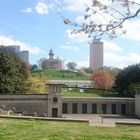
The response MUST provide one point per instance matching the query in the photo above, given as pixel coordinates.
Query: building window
(123, 109)
(113, 108)
(84, 108)
(74, 108)
(55, 100)
(65, 108)
(104, 108)
(94, 108)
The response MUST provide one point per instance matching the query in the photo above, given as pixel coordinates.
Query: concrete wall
(26, 104)
(129, 102)
(44, 104)
(137, 105)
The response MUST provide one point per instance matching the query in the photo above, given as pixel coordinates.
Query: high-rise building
(14, 48)
(24, 55)
(96, 54)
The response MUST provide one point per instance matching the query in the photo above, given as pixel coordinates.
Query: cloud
(80, 5)
(119, 60)
(98, 18)
(132, 27)
(27, 10)
(115, 56)
(41, 8)
(4, 40)
(84, 63)
(76, 5)
(80, 64)
(111, 47)
(77, 38)
(68, 47)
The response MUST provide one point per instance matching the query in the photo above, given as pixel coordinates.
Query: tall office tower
(96, 54)
(24, 55)
(14, 48)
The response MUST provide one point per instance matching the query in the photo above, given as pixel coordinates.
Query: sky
(37, 26)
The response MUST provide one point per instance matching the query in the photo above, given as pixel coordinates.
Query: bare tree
(108, 18)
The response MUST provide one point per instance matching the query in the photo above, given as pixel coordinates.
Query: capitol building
(53, 63)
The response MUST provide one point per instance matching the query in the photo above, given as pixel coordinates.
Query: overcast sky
(36, 26)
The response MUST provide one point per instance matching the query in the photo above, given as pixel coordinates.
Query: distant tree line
(121, 81)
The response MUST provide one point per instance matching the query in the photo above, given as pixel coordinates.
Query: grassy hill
(62, 74)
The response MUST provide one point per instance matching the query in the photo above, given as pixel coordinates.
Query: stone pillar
(99, 108)
(54, 101)
(118, 108)
(108, 105)
(69, 108)
(89, 108)
(137, 102)
(54, 88)
(80, 107)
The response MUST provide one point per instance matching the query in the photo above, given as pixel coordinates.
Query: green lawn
(94, 94)
(51, 130)
(76, 93)
(59, 75)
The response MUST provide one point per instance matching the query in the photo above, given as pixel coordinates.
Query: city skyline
(37, 26)
(24, 54)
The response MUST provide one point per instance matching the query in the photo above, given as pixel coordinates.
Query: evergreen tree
(127, 79)
(13, 72)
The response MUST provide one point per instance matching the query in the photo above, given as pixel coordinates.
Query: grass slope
(75, 92)
(62, 74)
(45, 130)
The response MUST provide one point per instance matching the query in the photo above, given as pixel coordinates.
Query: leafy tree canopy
(127, 79)
(71, 65)
(13, 72)
(113, 71)
(42, 63)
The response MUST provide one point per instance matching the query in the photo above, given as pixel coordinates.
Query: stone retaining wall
(47, 105)
(25, 104)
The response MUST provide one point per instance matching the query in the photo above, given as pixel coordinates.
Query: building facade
(54, 105)
(14, 48)
(52, 63)
(96, 54)
(119, 106)
(24, 55)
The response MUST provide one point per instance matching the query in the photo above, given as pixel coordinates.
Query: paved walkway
(98, 120)
(93, 120)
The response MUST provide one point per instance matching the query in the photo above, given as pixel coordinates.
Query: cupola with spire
(51, 54)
